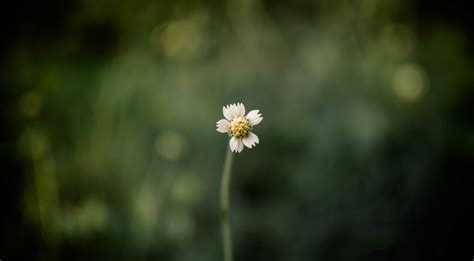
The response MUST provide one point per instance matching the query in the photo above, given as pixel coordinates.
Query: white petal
(252, 114)
(251, 140)
(223, 126)
(240, 145)
(229, 108)
(254, 138)
(248, 142)
(240, 110)
(226, 111)
(233, 110)
(255, 117)
(233, 144)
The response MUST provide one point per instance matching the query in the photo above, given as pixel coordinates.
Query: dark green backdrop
(109, 150)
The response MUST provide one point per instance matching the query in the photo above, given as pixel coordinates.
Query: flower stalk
(225, 207)
(239, 128)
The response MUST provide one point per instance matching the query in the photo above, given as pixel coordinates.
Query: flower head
(239, 126)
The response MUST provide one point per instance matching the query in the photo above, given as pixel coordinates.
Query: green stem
(224, 211)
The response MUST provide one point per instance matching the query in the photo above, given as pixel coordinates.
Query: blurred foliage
(110, 151)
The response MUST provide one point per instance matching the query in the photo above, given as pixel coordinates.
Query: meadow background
(108, 146)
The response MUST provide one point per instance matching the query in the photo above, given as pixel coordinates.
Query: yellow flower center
(239, 127)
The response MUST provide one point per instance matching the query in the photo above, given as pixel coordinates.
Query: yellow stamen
(239, 127)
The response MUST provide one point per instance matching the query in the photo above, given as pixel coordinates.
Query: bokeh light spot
(409, 82)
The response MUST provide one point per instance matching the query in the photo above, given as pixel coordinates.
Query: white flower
(239, 126)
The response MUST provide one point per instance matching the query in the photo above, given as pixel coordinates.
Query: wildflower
(239, 126)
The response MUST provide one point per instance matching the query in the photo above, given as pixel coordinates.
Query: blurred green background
(109, 149)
